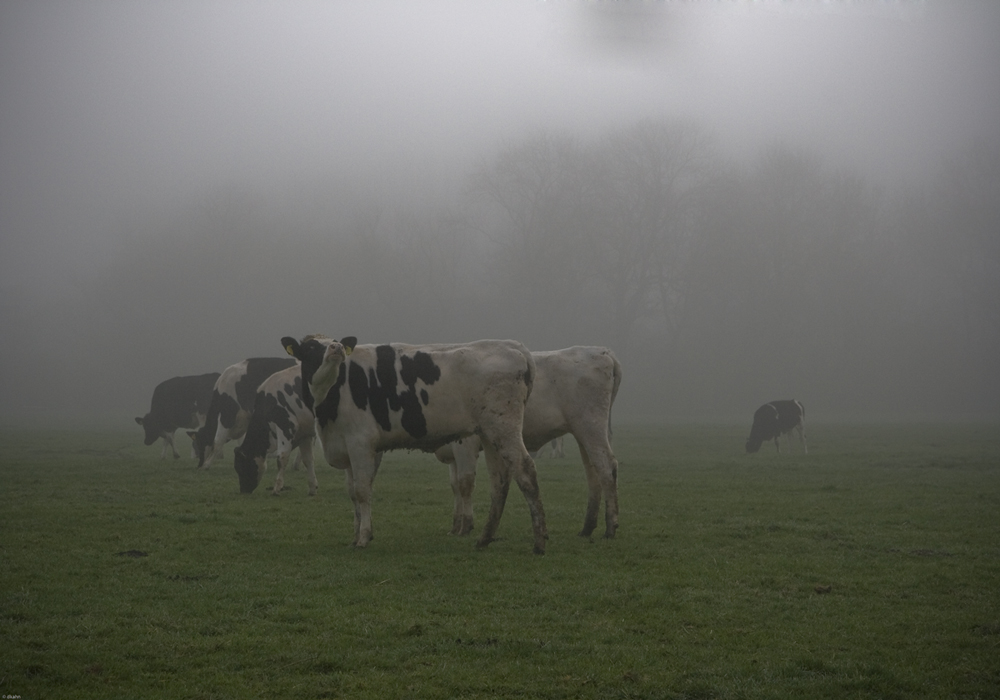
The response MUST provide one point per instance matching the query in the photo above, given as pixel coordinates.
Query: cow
(179, 402)
(573, 392)
(279, 423)
(775, 419)
(232, 401)
(372, 398)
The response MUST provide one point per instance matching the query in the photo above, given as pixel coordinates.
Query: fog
(744, 200)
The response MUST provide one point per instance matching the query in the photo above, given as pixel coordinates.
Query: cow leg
(306, 454)
(602, 481)
(163, 450)
(802, 437)
(281, 460)
(499, 487)
(503, 460)
(170, 439)
(462, 472)
(462, 485)
(527, 481)
(361, 474)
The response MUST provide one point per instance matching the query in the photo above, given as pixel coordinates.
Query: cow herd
(489, 396)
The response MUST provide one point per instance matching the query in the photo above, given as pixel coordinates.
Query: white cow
(372, 398)
(573, 393)
(280, 422)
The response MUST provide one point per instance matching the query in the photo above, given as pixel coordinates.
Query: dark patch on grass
(134, 553)
(187, 578)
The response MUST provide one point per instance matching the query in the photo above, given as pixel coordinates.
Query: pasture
(869, 568)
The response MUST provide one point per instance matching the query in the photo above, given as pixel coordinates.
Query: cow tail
(529, 374)
(616, 382)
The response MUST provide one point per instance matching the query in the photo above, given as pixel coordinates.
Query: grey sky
(114, 114)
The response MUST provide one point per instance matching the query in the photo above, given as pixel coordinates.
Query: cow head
(321, 358)
(154, 431)
(753, 444)
(248, 469)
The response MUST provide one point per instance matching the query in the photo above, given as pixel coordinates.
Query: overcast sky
(121, 120)
(114, 111)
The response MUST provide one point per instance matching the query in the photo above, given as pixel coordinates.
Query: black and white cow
(573, 393)
(372, 398)
(232, 401)
(180, 402)
(775, 419)
(280, 422)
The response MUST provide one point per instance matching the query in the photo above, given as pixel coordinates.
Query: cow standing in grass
(774, 419)
(179, 402)
(232, 401)
(372, 398)
(573, 392)
(279, 423)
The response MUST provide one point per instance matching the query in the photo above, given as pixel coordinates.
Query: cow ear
(138, 420)
(291, 346)
(349, 342)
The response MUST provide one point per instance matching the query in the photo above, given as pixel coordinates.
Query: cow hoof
(539, 549)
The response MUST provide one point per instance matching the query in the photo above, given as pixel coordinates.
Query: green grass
(868, 569)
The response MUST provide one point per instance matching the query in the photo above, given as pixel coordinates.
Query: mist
(745, 201)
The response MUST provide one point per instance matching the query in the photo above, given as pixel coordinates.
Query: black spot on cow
(380, 389)
(358, 383)
(327, 411)
(421, 366)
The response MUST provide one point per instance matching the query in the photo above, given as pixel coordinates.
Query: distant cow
(180, 402)
(279, 423)
(232, 401)
(775, 419)
(371, 398)
(573, 393)
(555, 448)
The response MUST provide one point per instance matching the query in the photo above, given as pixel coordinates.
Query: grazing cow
(232, 401)
(372, 398)
(775, 419)
(180, 402)
(573, 393)
(279, 423)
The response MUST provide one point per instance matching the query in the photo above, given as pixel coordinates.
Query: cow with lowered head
(279, 423)
(232, 401)
(179, 402)
(573, 392)
(372, 398)
(774, 419)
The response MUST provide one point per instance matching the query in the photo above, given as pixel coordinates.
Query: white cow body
(573, 393)
(385, 397)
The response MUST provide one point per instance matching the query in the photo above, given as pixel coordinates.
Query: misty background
(746, 200)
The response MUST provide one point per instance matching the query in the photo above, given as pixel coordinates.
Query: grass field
(869, 568)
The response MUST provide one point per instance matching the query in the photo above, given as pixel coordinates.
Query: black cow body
(232, 402)
(180, 402)
(774, 419)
